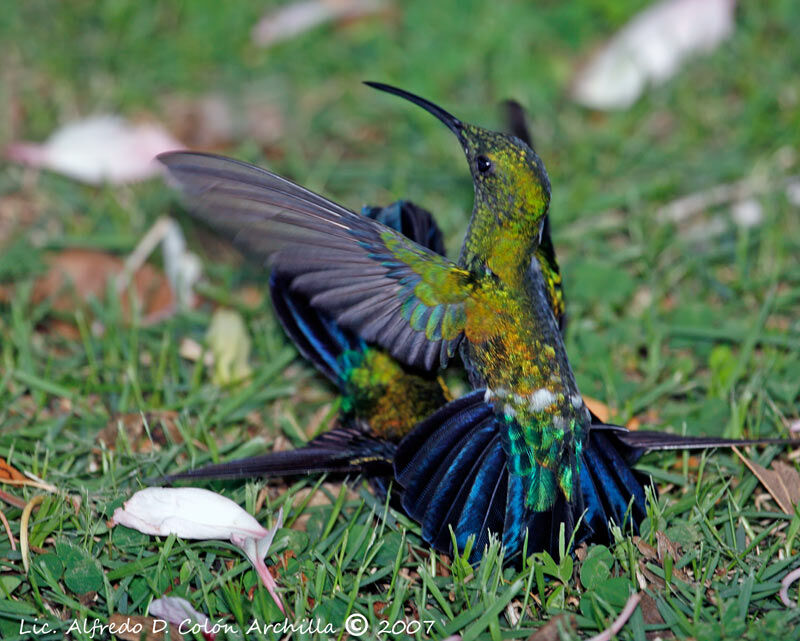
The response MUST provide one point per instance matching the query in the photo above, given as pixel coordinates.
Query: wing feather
(362, 272)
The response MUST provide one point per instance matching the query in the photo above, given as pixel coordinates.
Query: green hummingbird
(521, 455)
(381, 400)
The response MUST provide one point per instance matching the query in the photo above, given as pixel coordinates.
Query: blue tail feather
(453, 471)
(484, 510)
(453, 490)
(614, 491)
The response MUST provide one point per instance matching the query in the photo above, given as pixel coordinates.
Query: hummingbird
(381, 400)
(521, 455)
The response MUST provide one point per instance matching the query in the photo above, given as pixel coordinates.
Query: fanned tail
(452, 469)
(342, 450)
(454, 474)
(612, 490)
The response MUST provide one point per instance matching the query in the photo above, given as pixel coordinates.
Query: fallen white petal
(194, 513)
(650, 48)
(176, 610)
(747, 213)
(256, 550)
(188, 512)
(99, 149)
(293, 19)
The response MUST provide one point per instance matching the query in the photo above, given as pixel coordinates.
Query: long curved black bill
(453, 123)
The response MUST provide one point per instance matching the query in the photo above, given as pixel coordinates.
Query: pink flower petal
(99, 149)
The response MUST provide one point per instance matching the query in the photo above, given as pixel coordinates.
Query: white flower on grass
(650, 49)
(98, 149)
(177, 610)
(194, 513)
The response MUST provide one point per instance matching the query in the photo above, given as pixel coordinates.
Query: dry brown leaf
(203, 122)
(161, 424)
(18, 211)
(215, 122)
(790, 480)
(782, 482)
(647, 550)
(652, 617)
(8, 472)
(552, 630)
(666, 546)
(598, 408)
(76, 275)
(131, 627)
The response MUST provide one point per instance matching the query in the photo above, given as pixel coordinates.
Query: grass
(684, 329)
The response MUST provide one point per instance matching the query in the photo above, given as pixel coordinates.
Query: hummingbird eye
(483, 164)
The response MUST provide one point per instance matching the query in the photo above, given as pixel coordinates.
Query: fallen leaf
(666, 546)
(214, 122)
(650, 49)
(160, 424)
(177, 611)
(230, 344)
(132, 627)
(598, 408)
(650, 611)
(18, 211)
(203, 122)
(555, 629)
(99, 149)
(74, 276)
(295, 18)
(782, 482)
(9, 472)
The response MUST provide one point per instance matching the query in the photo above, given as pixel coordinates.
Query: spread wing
(370, 278)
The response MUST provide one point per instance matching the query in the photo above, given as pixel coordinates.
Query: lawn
(684, 322)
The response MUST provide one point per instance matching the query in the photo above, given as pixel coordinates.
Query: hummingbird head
(511, 184)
